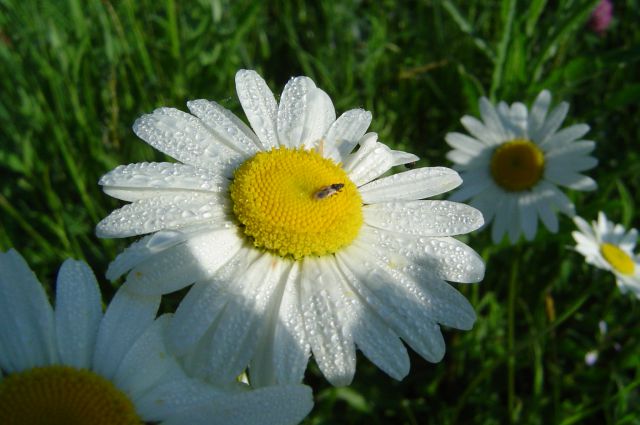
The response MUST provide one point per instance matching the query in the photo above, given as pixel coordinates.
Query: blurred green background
(75, 75)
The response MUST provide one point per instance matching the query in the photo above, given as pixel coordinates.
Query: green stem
(511, 363)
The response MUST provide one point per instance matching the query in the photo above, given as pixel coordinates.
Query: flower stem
(511, 363)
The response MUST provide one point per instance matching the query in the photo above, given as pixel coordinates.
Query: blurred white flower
(73, 365)
(514, 161)
(609, 246)
(294, 241)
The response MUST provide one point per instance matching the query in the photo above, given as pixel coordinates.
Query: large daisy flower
(609, 247)
(514, 162)
(295, 242)
(72, 365)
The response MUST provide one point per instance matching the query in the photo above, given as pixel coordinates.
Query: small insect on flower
(328, 191)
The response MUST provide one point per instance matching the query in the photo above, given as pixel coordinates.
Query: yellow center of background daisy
(619, 260)
(62, 395)
(517, 165)
(296, 203)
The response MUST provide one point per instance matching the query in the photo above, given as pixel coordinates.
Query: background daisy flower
(294, 241)
(514, 162)
(609, 247)
(73, 365)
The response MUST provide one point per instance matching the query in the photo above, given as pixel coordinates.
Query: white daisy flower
(294, 242)
(514, 162)
(73, 365)
(609, 247)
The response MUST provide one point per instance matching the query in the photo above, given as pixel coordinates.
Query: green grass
(75, 75)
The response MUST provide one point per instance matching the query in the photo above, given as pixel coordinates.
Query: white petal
(517, 123)
(144, 180)
(126, 318)
(226, 126)
(478, 130)
(553, 123)
(147, 247)
(491, 119)
(304, 114)
(27, 332)
(447, 258)
(146, 361)
(162, 213)
(409, 185)
(397, 307)
(237, 331)
(538, 114)
(78, 314)
(325, 309)
(471, 186)
(284, 352)
(372, 160)
(501, 218)
(259, 105)
(170, 399)
(465, 143)
(567, 135)
(278, 405)
(426, 218)
(571, 180)
(344, 133)
(513, 216)
(185, 138)
(198, 258)
(528, 215)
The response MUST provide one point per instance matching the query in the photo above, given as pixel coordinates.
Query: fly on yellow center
(619, 260)
(63, 395)
(296, 203)
(517, 165)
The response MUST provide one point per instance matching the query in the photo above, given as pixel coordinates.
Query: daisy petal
(538, 114)
(259, 105)
(410, 185)
(285, 350)
(344, 133)
(146, 361)
(198, 258)
(126, 318)
(553, 123)
(465, 143)
(236, 332)
(478, 130)
(226, 126)
(78, 313)
(372, 160)
(426, 218)
(27, 332)
(304, 114)
(397, 307)
(571, 180)
(278, 405)
(567, 135)
(145, 180)
(528, 216)
(491, 118)
(325, 321)
(185, 138)
(161, 213)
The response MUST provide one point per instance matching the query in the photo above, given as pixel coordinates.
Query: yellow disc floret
(296, 203)
(62, 395)
(619, 260)
(517, 165)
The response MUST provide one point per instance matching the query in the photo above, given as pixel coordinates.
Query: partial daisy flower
(609, 247)
(73, 365)
(295, 242)
(514, 161)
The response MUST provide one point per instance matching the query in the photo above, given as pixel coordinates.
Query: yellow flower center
(63, 395)
(296, 203)
(619, 260)
(517, 165)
